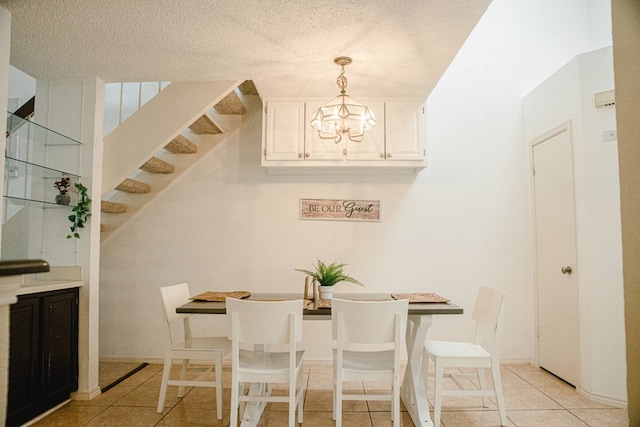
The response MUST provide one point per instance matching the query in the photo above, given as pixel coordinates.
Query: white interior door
(557, 291)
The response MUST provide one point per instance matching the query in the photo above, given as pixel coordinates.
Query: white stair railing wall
(121, 100)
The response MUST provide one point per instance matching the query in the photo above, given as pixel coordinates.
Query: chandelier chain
(342, 81)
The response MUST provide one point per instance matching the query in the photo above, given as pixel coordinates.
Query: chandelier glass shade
(343, 115)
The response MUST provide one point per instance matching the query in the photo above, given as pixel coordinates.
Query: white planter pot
(326, 292)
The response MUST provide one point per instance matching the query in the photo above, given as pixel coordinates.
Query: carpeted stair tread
(133, 186)
(204, 125)
(181, 145)
(230, 104)
(112, 207)
(155, 165)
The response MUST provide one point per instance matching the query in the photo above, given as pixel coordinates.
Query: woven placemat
(323, 303)
(421, 297)
(220, 296)
(326, 303)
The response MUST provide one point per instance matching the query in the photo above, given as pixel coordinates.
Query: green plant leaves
(82, 211)
(329, 275)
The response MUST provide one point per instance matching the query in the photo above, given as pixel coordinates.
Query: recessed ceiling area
(399, 48)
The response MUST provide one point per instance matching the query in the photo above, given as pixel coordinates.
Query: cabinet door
(284, 130)
(24, 361)
(317, 148)
(372, 146)
(59, 346)
(405, 130)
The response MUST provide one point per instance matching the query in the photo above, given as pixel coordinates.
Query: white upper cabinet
(395, 145)
(283, 134)
(406, 130)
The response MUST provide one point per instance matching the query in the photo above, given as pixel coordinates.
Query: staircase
(163, 139)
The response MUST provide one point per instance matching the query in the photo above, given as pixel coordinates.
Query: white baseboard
(616, 403)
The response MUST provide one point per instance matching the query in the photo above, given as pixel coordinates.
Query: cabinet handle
(299, 155)
(306, 155)
(382, 155)
(388, 155)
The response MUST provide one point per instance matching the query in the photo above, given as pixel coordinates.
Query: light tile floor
(533, 398)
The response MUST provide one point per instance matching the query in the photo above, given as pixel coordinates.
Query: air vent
(605, 99)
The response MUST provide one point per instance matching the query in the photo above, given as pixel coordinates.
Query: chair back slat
(264, 322)
(488, 315)
(487, 306)
(173, 297)
(368, 322)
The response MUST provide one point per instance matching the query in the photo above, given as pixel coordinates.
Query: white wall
(569, 95)
(462, 222)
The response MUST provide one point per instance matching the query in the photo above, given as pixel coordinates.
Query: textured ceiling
(399, 47)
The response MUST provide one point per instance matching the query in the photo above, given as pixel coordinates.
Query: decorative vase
(63, 199)
(326, 292)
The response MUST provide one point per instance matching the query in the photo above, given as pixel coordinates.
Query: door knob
(566, 270)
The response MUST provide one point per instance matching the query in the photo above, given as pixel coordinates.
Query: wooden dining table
(420, 316)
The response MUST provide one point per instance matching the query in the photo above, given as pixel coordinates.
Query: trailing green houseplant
(329, 275)
(81, 211)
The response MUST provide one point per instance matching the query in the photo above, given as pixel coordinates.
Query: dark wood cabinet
(43, 355)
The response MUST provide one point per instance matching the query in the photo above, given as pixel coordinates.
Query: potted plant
(327, 276)
(62, 185)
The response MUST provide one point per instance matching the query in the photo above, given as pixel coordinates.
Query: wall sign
(340, 209)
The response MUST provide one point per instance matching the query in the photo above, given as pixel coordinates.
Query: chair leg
(300, 397)
(234, 402)
(218, 374)
(483, 386)
(497, 385)
(335, 381)
(437, 402)
(338, 403)
(183, 376)
(395, 403)
(292, 403)
(242, 404)
(166, 371)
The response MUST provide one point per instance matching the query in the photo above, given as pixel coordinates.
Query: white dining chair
(483, 352)
(368, 341)
(180, 344)
(256, 326)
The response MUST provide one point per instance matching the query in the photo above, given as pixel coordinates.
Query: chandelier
(343, 115)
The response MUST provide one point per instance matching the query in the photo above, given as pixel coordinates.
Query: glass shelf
(9, 161)
(47, 204)
(36, 133)
(34, 226)
(33, 144)
(29, 181)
